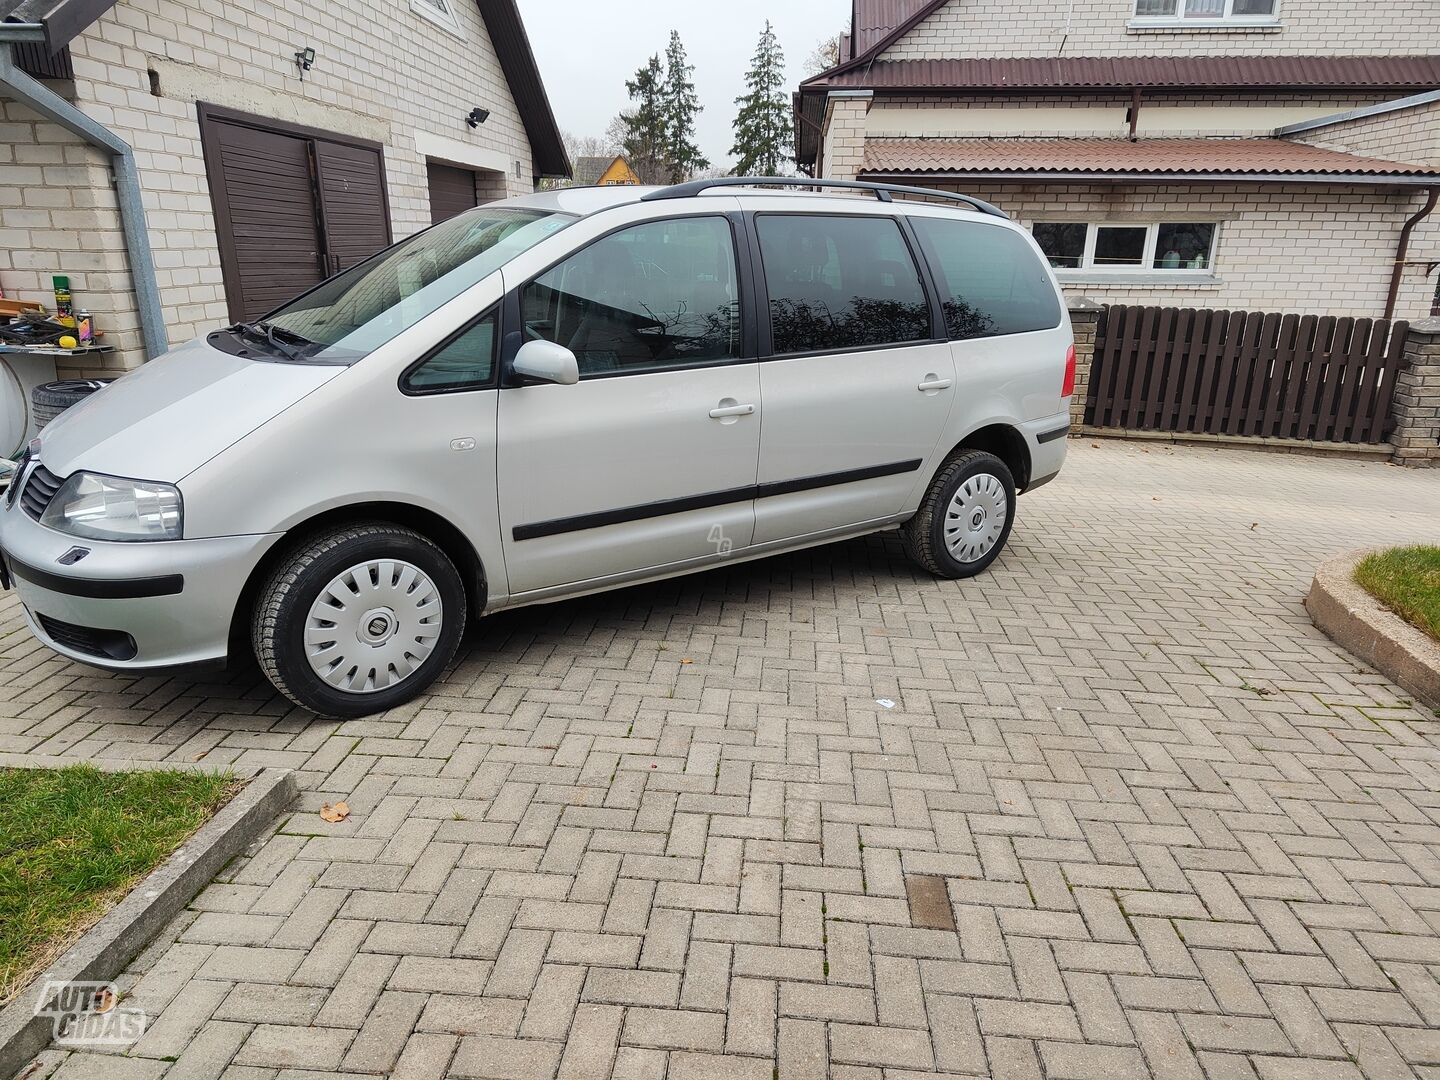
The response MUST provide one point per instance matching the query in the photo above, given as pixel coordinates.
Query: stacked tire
(49, 400)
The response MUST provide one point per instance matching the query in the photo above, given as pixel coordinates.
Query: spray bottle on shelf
(64, 311)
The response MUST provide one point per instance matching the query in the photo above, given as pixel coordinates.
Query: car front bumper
(128, 607)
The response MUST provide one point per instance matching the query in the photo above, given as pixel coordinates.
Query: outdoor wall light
(477, 117)
(304, 60)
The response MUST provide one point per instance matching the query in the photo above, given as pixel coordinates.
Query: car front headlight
(100, 507)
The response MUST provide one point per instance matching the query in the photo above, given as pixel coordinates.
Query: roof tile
(1240, 157)
(1124, 72)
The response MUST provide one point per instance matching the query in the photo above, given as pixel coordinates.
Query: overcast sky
(588, 49)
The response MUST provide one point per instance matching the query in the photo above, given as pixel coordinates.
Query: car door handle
(731, 410)
(933, 383)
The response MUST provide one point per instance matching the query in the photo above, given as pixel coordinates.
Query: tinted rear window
(839, 283)
(991, 281)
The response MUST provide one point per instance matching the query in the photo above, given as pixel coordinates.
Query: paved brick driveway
(669, 832)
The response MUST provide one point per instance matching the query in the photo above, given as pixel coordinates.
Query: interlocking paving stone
(1160, 825)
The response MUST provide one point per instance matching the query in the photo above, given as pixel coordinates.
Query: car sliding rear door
(856, 386)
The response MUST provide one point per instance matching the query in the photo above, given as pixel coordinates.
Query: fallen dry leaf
(687, 661)
(104, 1001)
(339, 812)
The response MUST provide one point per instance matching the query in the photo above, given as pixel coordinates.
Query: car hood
(170, 416)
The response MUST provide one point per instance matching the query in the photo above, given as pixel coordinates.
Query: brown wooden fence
(1313, 377)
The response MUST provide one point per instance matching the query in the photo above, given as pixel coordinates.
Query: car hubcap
(976, 518)
(373, 626)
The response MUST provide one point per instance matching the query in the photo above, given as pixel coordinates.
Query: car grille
(107, 644)
(39, 490)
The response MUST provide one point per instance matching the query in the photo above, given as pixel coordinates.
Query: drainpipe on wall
(1404, 250)
(30, 91)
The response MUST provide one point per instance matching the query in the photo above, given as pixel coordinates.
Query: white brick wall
(1409, 135)
(843, 151)
(381, 71)
(1102, 114)
(1099, 28)
(1303, 248)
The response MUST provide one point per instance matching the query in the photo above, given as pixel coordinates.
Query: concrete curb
(1349, 615)
(104, 950)
(1310, 447)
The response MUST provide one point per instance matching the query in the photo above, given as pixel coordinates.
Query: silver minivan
(542, 398)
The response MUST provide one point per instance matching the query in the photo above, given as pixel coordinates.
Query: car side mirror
(547, 362)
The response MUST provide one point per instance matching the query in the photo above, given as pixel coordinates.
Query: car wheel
(966, 516)
(359, 620)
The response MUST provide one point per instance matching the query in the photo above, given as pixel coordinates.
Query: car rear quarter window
(838, 283)
(990, 279)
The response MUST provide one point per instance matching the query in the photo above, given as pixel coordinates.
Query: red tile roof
(1124, 72)
(1268, 158)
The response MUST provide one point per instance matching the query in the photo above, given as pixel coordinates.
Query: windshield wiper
(269, 333)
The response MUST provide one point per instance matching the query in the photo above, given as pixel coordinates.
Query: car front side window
(651, 297)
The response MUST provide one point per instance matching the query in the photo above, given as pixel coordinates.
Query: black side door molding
(665, 507)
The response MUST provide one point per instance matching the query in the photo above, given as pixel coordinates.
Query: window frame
(1088, 271)
(513, 315)
(492, 312)
(1180, 21)
(447, 20)
(938, 334)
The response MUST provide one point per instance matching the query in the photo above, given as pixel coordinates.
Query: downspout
(30, 91)
(1404, 250)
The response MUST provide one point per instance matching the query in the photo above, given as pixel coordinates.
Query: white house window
(440, 12)
(1100, 248)
(1181, 13)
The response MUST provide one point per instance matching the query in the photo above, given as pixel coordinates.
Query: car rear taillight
(1068, 389)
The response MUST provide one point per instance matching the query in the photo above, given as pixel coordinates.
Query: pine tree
(681, 105)
(644, 125)
(763, 136)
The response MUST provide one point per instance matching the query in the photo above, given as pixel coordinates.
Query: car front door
(857, 388)
(650, 460)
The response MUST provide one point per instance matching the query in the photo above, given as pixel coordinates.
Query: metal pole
(126, 177)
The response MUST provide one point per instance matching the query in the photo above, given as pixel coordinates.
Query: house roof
(1270, 160)
(517, 60)
(589, 170)
(874, 20)
(1054, 74)
(1263, 72)
(64, 20)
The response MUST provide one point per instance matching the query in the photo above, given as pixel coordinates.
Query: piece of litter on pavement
(884, 703)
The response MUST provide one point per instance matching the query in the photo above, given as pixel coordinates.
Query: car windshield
(353, 314)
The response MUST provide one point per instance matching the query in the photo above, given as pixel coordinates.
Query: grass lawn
(1407, 581)
(74, 841)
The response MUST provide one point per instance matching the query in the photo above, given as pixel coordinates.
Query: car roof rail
(883, 192)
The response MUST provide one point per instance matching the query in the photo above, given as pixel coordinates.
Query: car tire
(938, 538)
(393, 599)
(49, 400)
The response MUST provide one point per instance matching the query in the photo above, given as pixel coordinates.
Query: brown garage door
(452, 191)
(292, 206)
